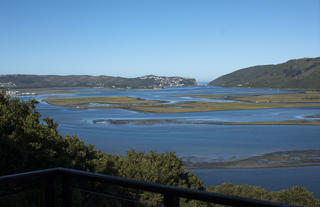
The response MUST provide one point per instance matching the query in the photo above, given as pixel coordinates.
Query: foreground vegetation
(37, 144)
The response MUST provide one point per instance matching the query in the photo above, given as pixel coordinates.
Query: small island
(243, 102)
(297, 158)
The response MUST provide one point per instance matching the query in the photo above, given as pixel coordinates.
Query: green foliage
(54, 81)
(164, 168)
(300, 73)
(37, 145)
(296, 195)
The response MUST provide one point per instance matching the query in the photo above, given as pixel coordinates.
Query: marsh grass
(207, 122)
(213, 96)
(310, 97)
(153, 106)
(60, 92)
(118, 100)
(274, 159)
(290, 122)
(307, 97)
(203, 106)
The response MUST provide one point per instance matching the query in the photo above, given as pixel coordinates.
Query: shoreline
(185, 121)
(249, 167)
(295, 158)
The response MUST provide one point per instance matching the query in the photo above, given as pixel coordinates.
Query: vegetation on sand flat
(186, 121)
(289, 122)
(39, 92)
(306, 97)
(275, 159)
(213, 95)
(120, 100)
(153, 106)
(282, 98)
(201, 106)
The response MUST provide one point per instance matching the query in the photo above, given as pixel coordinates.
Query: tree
(163, 168)
(35, 144)
(296, 195)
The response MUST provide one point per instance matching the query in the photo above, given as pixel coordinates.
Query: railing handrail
(170, 191)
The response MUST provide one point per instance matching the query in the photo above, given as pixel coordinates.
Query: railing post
(49, 191)
(171, 201)
(66, 191)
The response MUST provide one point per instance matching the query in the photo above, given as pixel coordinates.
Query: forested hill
(55, 81)
(295, 74)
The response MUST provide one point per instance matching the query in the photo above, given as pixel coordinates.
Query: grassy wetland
(244, 102)
(294, 158)
(204, 106)
(41, 92)
(311, 97)
(115, 100)
(185, 121)
(305, 97)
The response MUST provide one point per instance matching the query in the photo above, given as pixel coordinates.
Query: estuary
(223, 143)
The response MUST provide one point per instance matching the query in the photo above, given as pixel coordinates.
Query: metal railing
(171, 194)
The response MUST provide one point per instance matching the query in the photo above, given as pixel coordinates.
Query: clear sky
(192, 38)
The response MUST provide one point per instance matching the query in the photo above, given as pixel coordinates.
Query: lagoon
(194, 142)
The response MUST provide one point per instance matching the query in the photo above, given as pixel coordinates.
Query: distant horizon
(199, 39)
(198, 81)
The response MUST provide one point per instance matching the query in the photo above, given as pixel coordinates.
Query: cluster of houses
(7, 85)
(18, 93)
(163, 81)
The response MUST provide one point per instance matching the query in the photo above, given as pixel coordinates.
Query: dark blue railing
(171, 194)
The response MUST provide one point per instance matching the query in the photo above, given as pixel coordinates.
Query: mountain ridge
(59, 81)
(303, 73)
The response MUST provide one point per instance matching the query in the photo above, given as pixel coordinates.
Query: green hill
(56, 81)
(295, 74)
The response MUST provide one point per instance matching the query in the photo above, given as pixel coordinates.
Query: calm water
(270, 178)
(198, 142)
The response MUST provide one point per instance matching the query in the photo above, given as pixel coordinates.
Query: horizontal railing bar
(20, 177)
(176, 191)
(146, 186)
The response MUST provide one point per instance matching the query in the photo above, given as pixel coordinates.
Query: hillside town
(163, 81)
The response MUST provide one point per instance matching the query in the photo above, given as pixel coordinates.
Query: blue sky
(203, 39)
